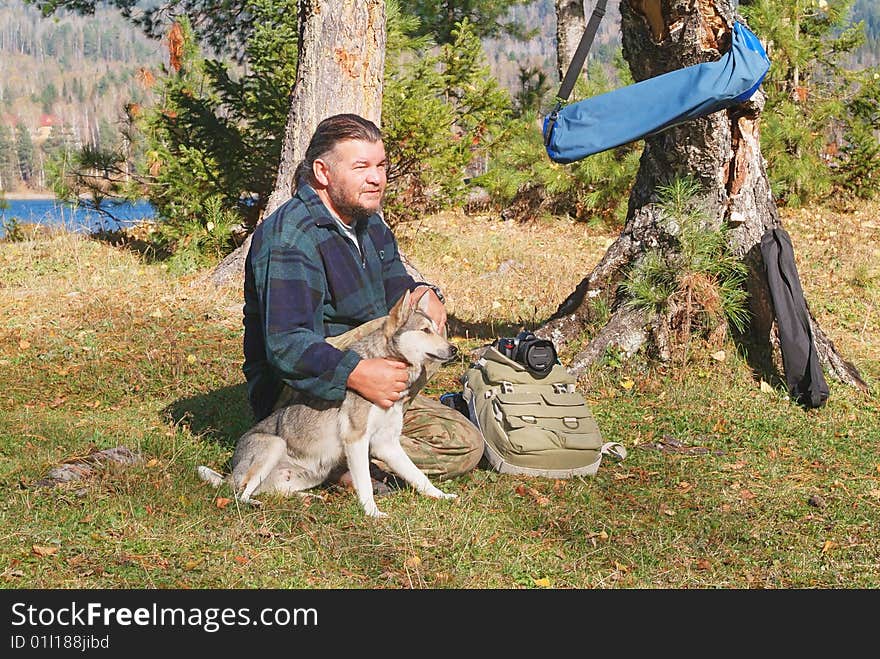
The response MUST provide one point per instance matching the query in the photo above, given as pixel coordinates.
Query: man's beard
(349, 209)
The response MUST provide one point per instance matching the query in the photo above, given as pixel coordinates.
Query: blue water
(75, 218)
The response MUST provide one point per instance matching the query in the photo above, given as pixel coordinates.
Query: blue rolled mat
(630, 113)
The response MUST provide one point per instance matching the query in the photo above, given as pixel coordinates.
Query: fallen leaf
(875, 494)
(539, 498)
(222, 502)
(151, 463)
(241, 560)
(704, 564)
(828, 546)
(719, 356)
(543, 582)
(602, 535)
(190, 359)
(24, 344)
(746, 494)
(413, 562)
(442, 578)
(620, 567)
(156, 314)
(40, 550)
(447, 259)
(496, 304)
(766, 388)
(627, 384)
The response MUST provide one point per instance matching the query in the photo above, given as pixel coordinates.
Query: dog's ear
(398, 315)
(423, 302)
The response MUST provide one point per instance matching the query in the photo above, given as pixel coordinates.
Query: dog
(297, 446)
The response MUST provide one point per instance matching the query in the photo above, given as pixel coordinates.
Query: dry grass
(500, 275)
(726, 485)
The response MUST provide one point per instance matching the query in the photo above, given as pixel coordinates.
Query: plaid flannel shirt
(305, 281)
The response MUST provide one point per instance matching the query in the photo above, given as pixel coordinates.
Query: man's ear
(398, 315)
(321, 172)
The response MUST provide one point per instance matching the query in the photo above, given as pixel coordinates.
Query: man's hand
(431, 305)
(381, 381)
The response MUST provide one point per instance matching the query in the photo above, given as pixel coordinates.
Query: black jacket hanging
(803, 373)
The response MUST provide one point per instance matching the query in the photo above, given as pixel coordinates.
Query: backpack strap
(575, 66)
(614, 449)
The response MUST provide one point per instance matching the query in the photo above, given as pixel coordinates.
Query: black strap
(576, 65)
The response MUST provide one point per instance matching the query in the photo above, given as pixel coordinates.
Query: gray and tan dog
(297, 446)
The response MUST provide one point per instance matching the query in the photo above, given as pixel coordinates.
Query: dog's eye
(426, 330)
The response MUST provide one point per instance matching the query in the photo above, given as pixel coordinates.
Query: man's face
(355, 178)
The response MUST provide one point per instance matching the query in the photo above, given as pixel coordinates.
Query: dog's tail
(210, 476)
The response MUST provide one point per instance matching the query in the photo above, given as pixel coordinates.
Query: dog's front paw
(372, 510)
(436, 493)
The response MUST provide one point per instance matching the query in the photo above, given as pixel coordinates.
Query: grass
(726, 485)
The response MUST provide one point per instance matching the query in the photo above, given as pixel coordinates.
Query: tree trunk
(340, 65)
(570, 25)
(722, 152)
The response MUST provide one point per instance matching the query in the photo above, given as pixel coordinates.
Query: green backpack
(534, 426)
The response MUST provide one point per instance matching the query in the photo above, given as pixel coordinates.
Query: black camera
(537, 355)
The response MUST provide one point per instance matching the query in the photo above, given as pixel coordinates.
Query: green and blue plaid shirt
(304, 281)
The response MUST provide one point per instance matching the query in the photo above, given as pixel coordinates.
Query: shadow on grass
(486, 330)
(220, 416)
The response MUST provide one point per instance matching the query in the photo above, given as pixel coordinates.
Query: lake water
(76, 218)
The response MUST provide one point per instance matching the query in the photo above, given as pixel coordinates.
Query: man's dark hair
(328, 134)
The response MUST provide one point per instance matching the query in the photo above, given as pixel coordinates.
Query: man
(323, 270)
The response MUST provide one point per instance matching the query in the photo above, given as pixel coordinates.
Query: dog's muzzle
(453, 353)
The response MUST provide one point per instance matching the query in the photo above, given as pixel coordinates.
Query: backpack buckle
(506, 387)
(560, 388)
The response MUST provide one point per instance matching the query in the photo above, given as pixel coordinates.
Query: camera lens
(539, 356)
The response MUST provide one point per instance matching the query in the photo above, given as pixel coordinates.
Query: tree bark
(721, 151)
(340, 66)
(570, 25)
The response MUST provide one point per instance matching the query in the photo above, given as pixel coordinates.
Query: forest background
(69, 82)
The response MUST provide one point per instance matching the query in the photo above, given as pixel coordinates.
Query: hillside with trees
(65, 82)
(69, 81)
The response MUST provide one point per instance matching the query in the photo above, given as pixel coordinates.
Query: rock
(82, 467)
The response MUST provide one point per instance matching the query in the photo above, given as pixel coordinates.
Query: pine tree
(25, 152)
(810, 95)
(8, 159)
